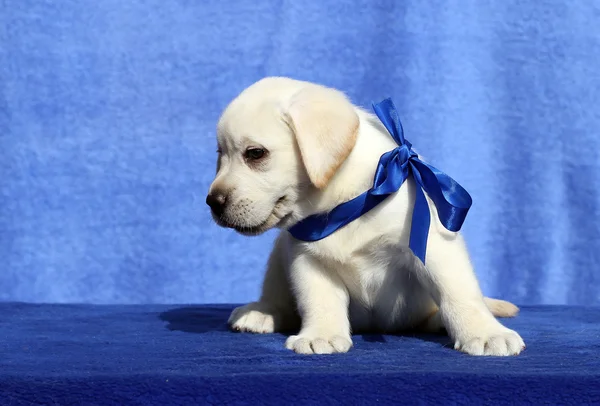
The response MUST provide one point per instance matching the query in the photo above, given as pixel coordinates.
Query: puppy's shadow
(440, 339)
(201, 319)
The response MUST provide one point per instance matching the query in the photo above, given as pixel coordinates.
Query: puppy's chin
(251, 230)
(279, 216)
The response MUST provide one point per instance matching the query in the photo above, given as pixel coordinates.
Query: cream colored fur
(323, 151)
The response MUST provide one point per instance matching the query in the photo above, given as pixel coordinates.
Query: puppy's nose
(217, 202)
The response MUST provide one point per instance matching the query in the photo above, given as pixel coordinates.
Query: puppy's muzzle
(217, 202)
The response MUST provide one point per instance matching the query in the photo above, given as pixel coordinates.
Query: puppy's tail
(501, 308)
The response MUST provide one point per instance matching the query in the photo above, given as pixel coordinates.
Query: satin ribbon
(451, 200)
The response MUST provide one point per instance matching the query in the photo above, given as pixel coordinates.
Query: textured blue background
(108, 109)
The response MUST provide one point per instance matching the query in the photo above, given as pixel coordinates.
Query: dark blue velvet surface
(108, 112)
(163, 355)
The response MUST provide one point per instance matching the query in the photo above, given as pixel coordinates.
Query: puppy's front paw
(494, 340)
(255, 317)
(318, 343)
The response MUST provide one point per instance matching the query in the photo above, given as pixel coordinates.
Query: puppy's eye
(254, 153)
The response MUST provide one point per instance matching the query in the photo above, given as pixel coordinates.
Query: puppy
(288, 149)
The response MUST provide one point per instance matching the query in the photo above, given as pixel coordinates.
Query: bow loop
(451, 200)
(388, 116)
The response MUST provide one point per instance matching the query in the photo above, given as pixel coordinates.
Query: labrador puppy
(288, 149)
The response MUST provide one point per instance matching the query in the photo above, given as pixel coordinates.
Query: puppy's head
(277, 140)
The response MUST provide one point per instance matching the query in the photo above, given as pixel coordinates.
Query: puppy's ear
(326, 126)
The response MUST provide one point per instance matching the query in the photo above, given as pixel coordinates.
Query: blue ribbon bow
(451, 200)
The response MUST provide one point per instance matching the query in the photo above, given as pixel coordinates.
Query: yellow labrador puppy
(290, 149)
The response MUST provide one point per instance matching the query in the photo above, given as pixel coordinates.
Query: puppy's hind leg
(275, 310)
(499, 308)
(449, 277)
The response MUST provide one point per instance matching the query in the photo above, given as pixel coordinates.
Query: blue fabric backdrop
(108, 109)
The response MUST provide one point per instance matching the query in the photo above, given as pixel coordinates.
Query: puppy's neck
(355, 175)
